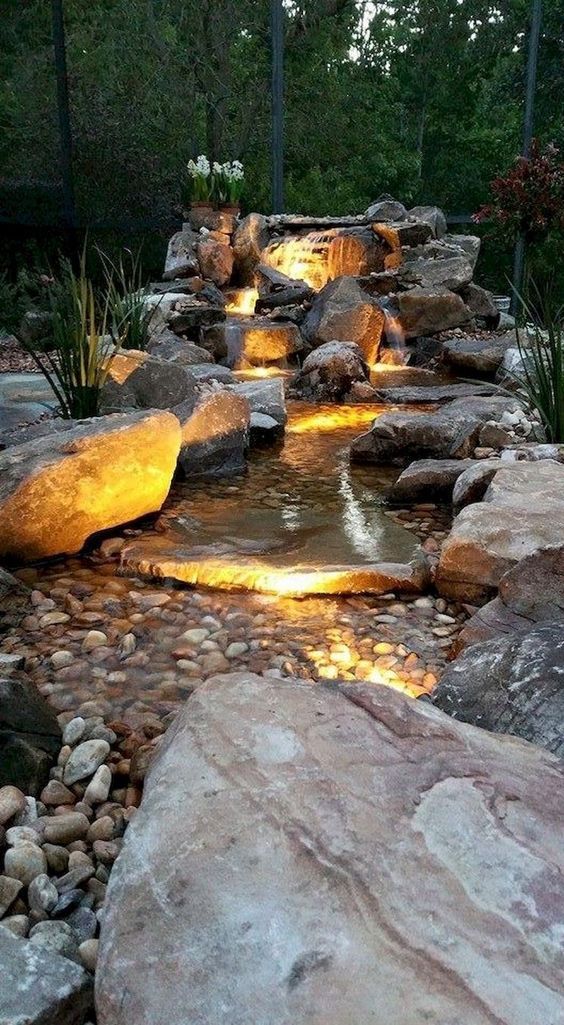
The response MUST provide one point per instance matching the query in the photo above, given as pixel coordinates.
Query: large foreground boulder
(39, 987)
(56, 491)
(428, 480)
(512, 684)
(523, 510)
(342, 855)
(30, 736)
(343, 312)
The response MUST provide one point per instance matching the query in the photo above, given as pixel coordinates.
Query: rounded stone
(12, 802)
(88, 952)
(42, 894)
(25, 862)
(59, 659)
(85, 759)
(73, 731)
(65, 829)
(94, 639)
(98, 788)
(57, 937)
(18, 925)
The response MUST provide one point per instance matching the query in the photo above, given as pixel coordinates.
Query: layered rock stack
(370, 279)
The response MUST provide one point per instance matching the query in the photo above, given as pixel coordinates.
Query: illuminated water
(301, 509)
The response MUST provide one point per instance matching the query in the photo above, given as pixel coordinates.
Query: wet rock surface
(272, 786)
(343, 312)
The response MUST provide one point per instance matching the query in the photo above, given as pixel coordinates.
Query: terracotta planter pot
(201, 204)
(230, 208)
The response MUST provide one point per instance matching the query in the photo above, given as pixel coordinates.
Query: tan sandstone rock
(56, 491)
(336, 855)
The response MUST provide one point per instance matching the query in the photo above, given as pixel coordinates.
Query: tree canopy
(419, 98)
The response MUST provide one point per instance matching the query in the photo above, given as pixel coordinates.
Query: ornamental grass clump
(79, 360)
(128, 315)
(542, 374)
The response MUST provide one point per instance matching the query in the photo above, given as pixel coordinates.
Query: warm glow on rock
(241, 300)
(334, 419)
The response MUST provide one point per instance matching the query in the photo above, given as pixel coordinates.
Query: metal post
(528, 128)
(64, 116)
(277, 56)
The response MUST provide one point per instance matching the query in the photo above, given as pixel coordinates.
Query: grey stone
(428, 480)
(264, 396)
(264, 430)
(451, 273)
(216, 260)
(56, 937)
(215, 434)
(9, 890)
(477, 355)
(481, 303)
(25, 862)
(469, 244)
(512, 684)
(432, 216)
(14, 602)
(84, 760)
(36, 326)
(139, 381)
(426, 311)
(169, 346)
(206, 372)
(39, 987)
(30, 737)
(42, 894)
(330, 370)
(344, 855)
(452, 432)
(18, 925)
(181, 257)
(412, 394)
(387, 209)
(342, 312)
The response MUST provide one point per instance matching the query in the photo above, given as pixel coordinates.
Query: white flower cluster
(199, 168)
(231, 171)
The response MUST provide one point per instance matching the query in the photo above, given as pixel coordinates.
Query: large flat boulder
(478, 355)
(215, 434)
(450, 272)
(450, 433)
(30, 736)
(169, 346)
(41, 988)
(432, 216)
(426, 311)
(137, 380)
(336, 854)
(511, 684)
(57, 491)
(243, 342)
(342, 312)
(523, 510)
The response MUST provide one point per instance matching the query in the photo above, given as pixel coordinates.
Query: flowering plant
(530, 198)
(199, 172)
(228, 180)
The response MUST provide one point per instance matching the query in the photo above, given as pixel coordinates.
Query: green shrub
(128, 316)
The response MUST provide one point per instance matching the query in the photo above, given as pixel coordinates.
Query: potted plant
(200, 181)
(229, 179)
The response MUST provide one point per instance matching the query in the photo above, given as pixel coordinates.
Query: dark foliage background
(419, 98)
